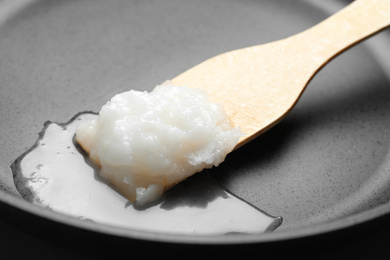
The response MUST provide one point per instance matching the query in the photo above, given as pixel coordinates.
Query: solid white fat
(55, 175)
(146, 142)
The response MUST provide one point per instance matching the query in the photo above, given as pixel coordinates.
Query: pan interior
(326, 161)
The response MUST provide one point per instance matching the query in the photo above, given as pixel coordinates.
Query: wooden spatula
(259, 85)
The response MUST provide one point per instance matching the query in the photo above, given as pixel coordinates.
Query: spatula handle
(356, 22)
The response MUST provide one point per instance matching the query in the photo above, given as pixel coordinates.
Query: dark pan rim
(352, 222)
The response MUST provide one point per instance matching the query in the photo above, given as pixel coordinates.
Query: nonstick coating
(325, 168)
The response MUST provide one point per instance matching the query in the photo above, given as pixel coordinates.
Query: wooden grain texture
(259, 85)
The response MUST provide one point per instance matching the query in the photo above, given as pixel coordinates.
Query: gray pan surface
(326, 167)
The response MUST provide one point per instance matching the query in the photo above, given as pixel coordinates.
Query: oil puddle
(55, 173)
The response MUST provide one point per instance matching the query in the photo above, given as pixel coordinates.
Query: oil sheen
(56, 174)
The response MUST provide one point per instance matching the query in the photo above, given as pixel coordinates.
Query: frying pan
(325, 169)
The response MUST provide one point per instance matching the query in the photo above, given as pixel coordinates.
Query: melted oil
(55, 173)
